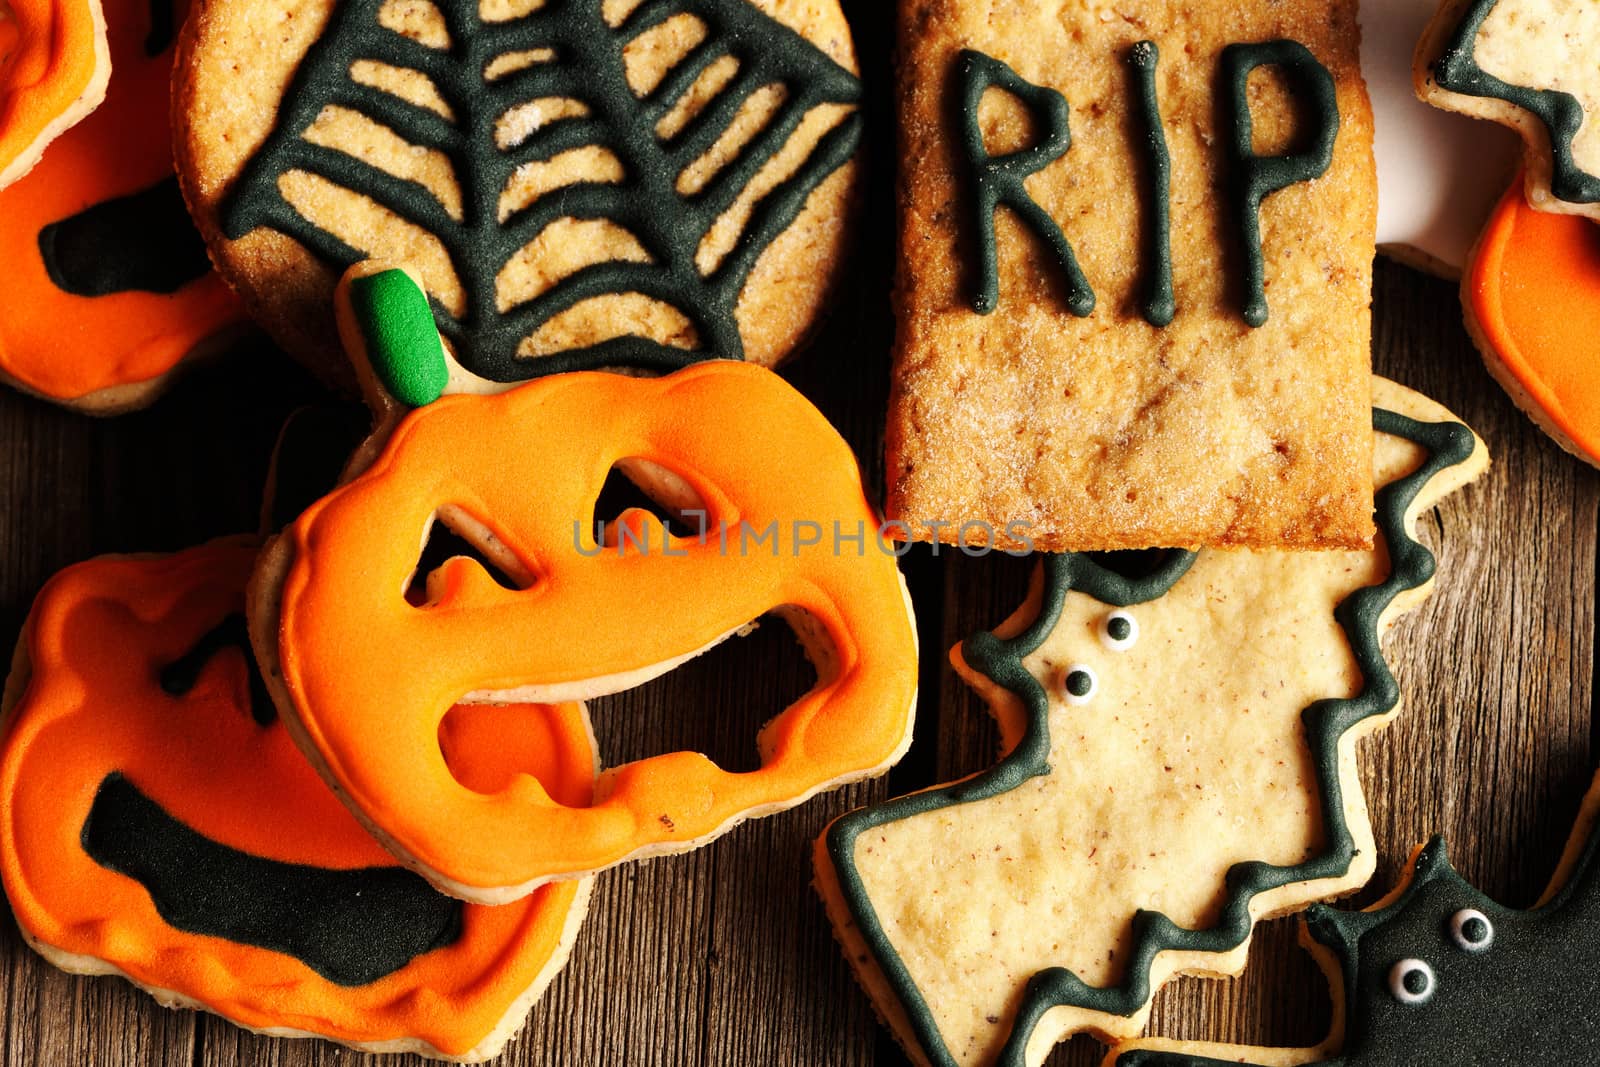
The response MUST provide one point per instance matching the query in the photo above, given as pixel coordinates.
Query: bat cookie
(1531, 297)
(1179, 763)
(584, 184)
(781, 525)
(1438, 173)
(1439, 973)
(157, 822)
(108, 288)
(54, 64)
(1529, 65)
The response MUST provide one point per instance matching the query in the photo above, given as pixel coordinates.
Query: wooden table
(723, 956)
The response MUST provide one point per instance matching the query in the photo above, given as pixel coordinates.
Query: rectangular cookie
(1037, 426)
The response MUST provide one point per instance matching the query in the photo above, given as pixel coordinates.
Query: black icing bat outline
(1457, 70)
(1326, 721)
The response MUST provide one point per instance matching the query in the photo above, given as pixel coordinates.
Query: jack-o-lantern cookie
(107, 284)
(594, 183)
(157, 822)
(1531, 297)
(781, 525)
(1180, 762)
(54, 63)
(1529, 65)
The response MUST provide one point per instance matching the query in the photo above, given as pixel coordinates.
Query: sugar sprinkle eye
(1472, 929)
(1118, 631)
(1080, 684)
(1411, 981)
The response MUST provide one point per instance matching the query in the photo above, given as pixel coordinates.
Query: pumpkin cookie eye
(1118, 631)
(1080, 684)
(1472, 929)
(1411, 981)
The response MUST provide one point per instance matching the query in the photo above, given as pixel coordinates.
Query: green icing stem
(1158, 305)
(1326, 721)
(1258, 176)
(997, 180)
(1457, 70)
(403, 344)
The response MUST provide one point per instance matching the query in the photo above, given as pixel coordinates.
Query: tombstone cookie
(1180, 762)
(595, 183)
(1135, 276)
(158, 823)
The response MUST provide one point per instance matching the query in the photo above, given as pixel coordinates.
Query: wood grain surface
(723, 956)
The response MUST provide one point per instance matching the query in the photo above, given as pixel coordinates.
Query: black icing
(159, 39)
(352, 927)
(180, 676)
(141, 242)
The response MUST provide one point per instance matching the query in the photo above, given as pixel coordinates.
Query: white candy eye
(1080, 684)
(1411, 981)
(1118, 631)
(1472, 929)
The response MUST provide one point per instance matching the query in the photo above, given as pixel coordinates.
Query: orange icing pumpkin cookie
(363, 676)
(157, 822)
(53, 69)
(1531, 294)
(108, 287)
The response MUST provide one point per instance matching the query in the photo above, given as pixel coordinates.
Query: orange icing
(66, 346)
(370, 675)
(97, 638)
(50, 58)
(1533, 290)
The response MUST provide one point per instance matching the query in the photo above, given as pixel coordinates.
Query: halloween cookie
(1179, 762)
(1438, 174)
(600, 183)
(1529, 65)
(158, 823)
(780, 525)
(54, 63)
(108, 288)
(1439, 973)
(1164, 337)
(1531, 296)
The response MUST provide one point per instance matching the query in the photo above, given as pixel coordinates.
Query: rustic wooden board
(723, 956)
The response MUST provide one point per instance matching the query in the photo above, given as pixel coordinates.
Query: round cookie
(54, 63)
(157, 822)
(108, 288)
(602, 183)
(1531, 298)
(779, 524)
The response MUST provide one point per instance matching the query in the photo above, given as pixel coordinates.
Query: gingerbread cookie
(780, 525)
(1180, 762)
(1438, 174)
(1531, 296)
(54, 63)
(160, 824)
(1439, 973)
(108, 288)
(600, 183)
(1164, 338)
(1529, 65)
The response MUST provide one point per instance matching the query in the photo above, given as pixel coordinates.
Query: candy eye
(1472, 929)
(1411, 981)
(1080, 683)
(1118, 631)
